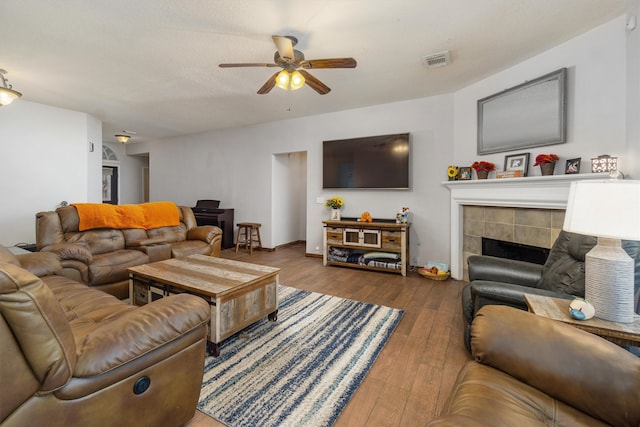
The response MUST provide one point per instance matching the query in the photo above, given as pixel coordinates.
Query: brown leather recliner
(100, 257)
(533, 371)
(75, 356)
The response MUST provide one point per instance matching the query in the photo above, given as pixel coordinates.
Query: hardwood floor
(415, 372)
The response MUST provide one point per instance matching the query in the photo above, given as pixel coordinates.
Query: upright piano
(207, 212)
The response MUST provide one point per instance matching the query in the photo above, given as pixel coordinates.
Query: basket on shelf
(433, 276)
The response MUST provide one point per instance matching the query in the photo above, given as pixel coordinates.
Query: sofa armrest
(498, 293)
(70, 251)
(41, 263)
(139, 332)
(482, 267)
(206, 233)
(568, 364)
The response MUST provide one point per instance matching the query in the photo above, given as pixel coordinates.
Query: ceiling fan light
(7, 94)
(122, 139)
(297, 80)
(282, 81)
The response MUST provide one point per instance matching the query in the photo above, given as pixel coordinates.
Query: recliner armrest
(70, 251)
(569, 364)
(139, 332)
(482, 267)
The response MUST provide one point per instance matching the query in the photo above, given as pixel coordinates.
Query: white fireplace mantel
(541, 192)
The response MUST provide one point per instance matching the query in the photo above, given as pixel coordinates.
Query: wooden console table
(625, 334)
(359, 238)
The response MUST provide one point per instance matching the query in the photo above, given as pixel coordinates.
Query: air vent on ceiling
(435, 60)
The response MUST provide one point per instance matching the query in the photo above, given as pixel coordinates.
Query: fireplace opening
(510, 250)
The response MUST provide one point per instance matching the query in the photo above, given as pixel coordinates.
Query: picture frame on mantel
(573, 166)
(517, 163)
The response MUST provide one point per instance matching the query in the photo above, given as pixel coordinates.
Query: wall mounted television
(531, 114)
(374, 162)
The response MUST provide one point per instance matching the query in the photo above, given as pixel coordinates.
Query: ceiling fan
(294, 72)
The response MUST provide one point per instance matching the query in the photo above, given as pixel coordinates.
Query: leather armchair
(72, 355)
(528, 370)
(504, 282)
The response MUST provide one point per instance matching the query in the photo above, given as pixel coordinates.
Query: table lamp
(609, 210)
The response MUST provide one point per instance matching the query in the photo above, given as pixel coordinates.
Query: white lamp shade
(604, 208)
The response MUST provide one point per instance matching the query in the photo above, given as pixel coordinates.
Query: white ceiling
(151, 66)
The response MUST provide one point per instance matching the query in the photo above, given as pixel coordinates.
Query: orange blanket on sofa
(144, 215)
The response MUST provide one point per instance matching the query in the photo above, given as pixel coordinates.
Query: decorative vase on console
(547, 163)
(335, 203)
(483, 168)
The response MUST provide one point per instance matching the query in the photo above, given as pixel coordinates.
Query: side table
(624, 334)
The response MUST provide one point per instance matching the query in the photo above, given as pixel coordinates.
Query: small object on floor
(244, 335)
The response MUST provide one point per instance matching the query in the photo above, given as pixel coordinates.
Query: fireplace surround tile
(533, 217)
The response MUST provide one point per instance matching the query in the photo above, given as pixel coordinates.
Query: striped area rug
(300, 370)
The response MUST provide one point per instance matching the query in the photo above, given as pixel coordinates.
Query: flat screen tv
(374, 162)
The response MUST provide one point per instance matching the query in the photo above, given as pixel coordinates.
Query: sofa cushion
(190, 247)
(169, 234)
(99, 241)
(112, 267)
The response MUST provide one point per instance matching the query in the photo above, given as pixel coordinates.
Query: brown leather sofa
(532, 371)
(75, 356)
(100, 257)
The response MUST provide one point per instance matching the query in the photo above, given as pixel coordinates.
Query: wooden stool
(251, 235)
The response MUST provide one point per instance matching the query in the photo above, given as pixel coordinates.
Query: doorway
(289, 198)
(110, 184)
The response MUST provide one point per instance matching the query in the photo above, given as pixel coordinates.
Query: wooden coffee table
(239, 293)
(625, 334)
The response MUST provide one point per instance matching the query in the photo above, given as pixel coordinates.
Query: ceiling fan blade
(314, 83)
(285, 47)
(329, 63)
(247, 64)
(266, 88)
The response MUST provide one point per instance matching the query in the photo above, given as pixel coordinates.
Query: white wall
(236, 167)
(44, 159)
(597, 116)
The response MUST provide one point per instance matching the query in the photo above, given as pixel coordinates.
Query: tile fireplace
(527, 210)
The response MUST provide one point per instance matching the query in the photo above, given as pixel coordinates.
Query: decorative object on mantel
(518, 164)
(464, 173)
(335, 203)
(573, 166)
(547, 163)
(604, 163)
(483, 168)
(607, 209)
(366, 217)
(452, 173)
